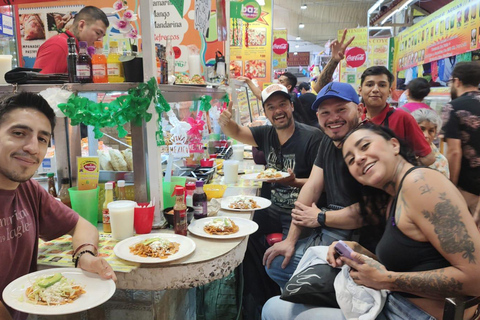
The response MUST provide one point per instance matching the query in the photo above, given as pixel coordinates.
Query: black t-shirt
(297, 153)
(307, 100)
(462, 121)
(341, 188)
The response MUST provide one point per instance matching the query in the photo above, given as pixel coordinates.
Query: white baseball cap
(274, 89)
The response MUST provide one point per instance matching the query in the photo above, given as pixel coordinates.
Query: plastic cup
(85, 203)
(168, 200)
(121, 218)
(230, 171)
(238, 152)
(143, 218)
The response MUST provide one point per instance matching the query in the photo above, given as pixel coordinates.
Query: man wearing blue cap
(338, 113)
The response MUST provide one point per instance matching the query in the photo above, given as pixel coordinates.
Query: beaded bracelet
(81, 254)
(80, 247)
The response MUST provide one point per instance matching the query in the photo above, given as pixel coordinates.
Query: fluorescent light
(388, 17)
(375, 6)
(303, 7)
(301, 25)
(295, 53)
(298, 38)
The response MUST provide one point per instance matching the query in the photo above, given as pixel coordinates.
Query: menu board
(250, 46)
(449, 31)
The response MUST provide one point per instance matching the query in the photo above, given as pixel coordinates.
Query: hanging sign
(248, 11)
(355, 57)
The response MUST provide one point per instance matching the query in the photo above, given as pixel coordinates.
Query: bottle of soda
(199, 201)
(179, 212)
(99, 64)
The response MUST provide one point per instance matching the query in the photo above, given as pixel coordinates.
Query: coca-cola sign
(280, 46)
(355, 57)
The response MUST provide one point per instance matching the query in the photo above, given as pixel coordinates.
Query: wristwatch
(321, 217)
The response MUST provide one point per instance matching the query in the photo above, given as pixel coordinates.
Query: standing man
(26, 126)
(338, 113)
(90, 25)
(307, 98)
(375, 88)
(290, 147)
(462, 133)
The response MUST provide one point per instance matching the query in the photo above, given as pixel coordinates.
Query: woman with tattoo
(430, 249)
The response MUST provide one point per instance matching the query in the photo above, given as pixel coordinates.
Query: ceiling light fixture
(303, 7)
(380, 28)
(375, 6)
(301, 25)
(298, 38)
(295, 53)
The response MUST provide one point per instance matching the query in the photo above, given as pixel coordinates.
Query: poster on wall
(449, 31)
(355, 62)
(280, 49)
(250, 44)
(193, 34)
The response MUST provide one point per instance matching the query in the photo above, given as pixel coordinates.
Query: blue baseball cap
(339, 90)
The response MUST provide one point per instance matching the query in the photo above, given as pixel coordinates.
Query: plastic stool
(273, 238)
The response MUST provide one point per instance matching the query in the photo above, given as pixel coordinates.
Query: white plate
(262, 202)
(253, 176)
(98, 290)
(245, 227)
(122, 249)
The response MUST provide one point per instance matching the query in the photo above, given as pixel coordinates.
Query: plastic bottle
(105, 212)
(199, 202)
(72, 60)
(99, 64)
(190, 186)
(180, 212)
(84, 64)
(121, 190)
(159, 69)
(114, 184)
(51, 184)
(114, 66)
(63, 193)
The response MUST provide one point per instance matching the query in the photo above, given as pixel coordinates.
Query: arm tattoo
(433, 283)
(426, 189)
(450, 229)
(326, 75)
(418, 176)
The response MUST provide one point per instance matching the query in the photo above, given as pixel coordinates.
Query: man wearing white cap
(290, 147)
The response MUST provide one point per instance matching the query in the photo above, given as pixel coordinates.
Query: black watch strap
(321, 218)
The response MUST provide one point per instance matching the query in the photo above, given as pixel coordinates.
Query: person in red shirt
(375, 88)
(90, 25)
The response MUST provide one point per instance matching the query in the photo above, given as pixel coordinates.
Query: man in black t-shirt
(290, 147)
(338, 113)
(462, 133)
(307, 98)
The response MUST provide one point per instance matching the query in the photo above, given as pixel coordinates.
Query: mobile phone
(343, 249)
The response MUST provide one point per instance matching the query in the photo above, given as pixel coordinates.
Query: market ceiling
(323, 18)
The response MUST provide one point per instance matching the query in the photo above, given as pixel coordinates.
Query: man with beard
(462, 133)
(290, 147)
(338, 113)
(375, 88)
(28, 211)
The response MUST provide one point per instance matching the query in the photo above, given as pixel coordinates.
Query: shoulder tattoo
(450, 229)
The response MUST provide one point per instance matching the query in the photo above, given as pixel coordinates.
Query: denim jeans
(396, 308)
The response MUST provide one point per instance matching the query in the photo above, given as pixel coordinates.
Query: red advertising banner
(452, 30)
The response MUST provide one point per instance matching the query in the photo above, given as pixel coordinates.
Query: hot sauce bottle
(179, 212)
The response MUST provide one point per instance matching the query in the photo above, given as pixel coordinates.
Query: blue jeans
(396, 308)
(321, 237)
